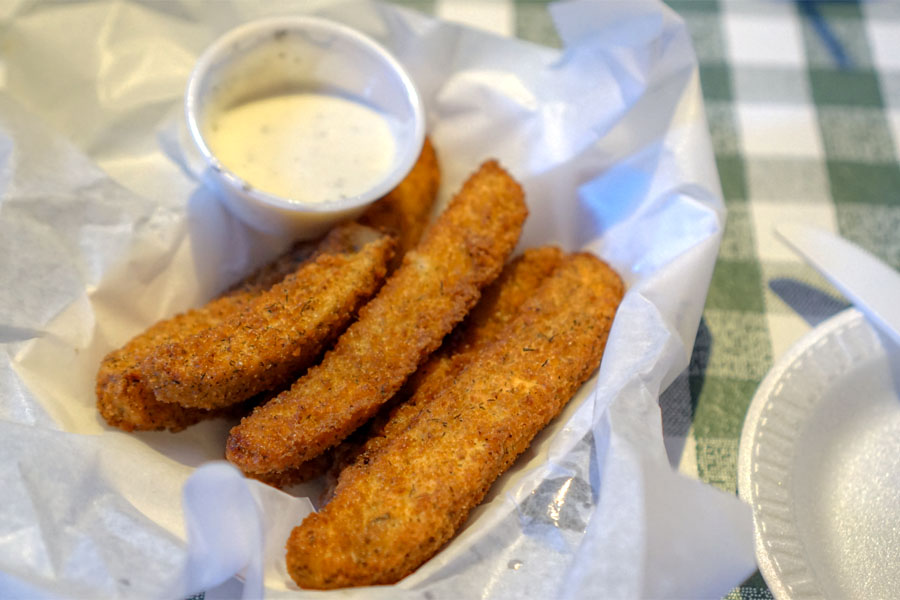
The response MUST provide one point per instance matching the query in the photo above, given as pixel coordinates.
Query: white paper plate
(820, 465)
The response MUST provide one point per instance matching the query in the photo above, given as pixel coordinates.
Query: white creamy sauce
(305, 147)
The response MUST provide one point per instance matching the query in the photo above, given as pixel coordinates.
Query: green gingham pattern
(803, 104)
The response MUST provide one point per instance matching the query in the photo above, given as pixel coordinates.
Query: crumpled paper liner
(106, 227)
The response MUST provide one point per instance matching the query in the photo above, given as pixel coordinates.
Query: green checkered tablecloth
(803, 104)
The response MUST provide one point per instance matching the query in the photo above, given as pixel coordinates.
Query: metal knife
(872, 286)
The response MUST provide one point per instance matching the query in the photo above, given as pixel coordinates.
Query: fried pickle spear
(394, 511)
(123, 399)
(433, 289)
(277, 334)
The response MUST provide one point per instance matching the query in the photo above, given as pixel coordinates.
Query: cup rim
(408, 154)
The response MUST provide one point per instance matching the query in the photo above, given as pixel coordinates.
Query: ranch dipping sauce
(306, 147)
(301, 123)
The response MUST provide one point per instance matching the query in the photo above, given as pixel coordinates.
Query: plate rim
(807, 343)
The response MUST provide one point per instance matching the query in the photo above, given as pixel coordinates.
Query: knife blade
(872, 286)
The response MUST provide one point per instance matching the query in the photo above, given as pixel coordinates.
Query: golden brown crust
(278, 333)
(501, 301)
(394, 511)
(123, 399)
(499, 304)
(125, 402)
(433, 289)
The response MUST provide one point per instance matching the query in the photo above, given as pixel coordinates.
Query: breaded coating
(393, 512)
(406, 210)
(277, 334)
(123, 399)
(125, 402)
(434, 288)
(499, 304)
(501, 301)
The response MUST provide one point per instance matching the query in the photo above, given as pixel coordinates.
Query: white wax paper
(105, 227)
